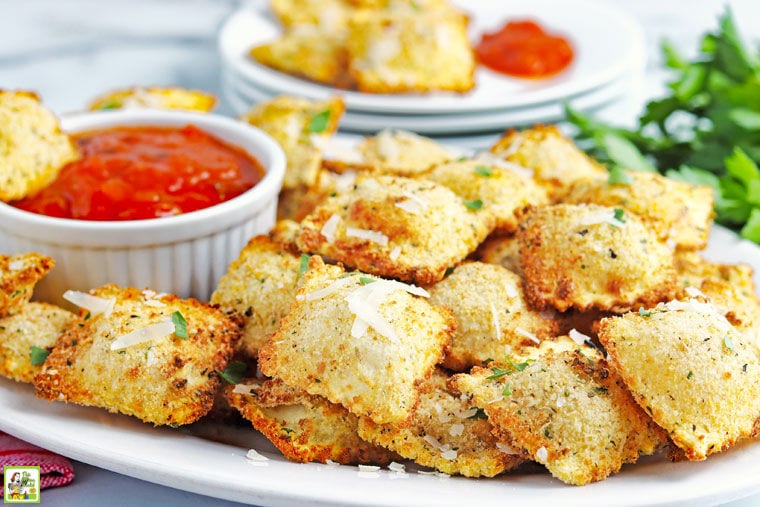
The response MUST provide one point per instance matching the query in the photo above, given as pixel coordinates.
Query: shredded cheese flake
(244, 388)
(144, 334)
(325, 291)
(510, 291)
(374, 236)
(505, 449)
(155, 303)
(399, 468)
(694, 292)
(151, 358)
(332, 463)
(527, 334)
(436, 473)
(345, 181)
(253, 455)
(395, 253)
(456, 429)
(542, 454)
(368, 468)
(601, 217)
(413, 204)
(470, 412)
(578, 337)
(330, 227)
(16, 265)
(93, 304)
(495, 321)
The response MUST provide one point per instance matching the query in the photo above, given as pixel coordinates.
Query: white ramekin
(184, 255)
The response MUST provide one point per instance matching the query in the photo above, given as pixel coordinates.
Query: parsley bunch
(705, 131)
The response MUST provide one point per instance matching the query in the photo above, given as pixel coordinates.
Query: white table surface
(71, 50)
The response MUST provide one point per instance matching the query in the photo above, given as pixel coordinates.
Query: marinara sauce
(524, 49)
(135, 173)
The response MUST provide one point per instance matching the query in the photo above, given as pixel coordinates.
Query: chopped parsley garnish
(87, 317)
(111, 105)
(479, 414)
(364, 280)
(38, 355)
(473, 205)
(619, 215)
(484, 171)
(729, 344)
(304, 265)
(520, 366)
(498, 373)
(690, 374)
(462, 158)
(319, 122)
(644, 313)
(513, 367)
(233, 373)
(449, 270)
(618, 175)
(180, 325)
(600, 390)
(507, 391)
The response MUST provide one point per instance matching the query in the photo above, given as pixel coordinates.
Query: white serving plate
(210, 459)
(241, 95)
(608, 44)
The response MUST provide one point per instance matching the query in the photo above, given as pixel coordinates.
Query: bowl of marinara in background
(184, 254)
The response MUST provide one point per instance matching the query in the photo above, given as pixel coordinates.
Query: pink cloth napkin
(55, 470)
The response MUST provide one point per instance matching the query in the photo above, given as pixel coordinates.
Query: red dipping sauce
(135, 173)
(524, 49)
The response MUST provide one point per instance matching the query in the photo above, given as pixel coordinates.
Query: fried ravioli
(501, 250)
(691, 370)
(359, 341)
(445, 433)
(302, 426)
(33, 149)
(589, 256)
(150, 356)
(410, 51)
(155, 97)
(554, 159)
(259, 285)
(34, 325)
(395, 227)
(18, 276)
(679, 213)
(500, 191)
(493, 318)
(295, 123)
(567, 411)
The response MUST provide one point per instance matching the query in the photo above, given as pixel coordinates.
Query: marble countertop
(71, 50)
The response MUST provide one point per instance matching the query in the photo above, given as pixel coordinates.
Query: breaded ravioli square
(310, 52)
(445, 433)
(401, 153)
(33, 149)
(691, 370)
(151, 356)
(328, 15)
(157, 97)
(398, 51)
(567, 411)
(501, 250)
(259, 285)
(18, 276)
(34, 325)
(298, 125)
(500, 191)
(679, 213)
(590, 256)
(493, 317)
(359, 341)
(555, 160)
(302, 426)
(395, 227)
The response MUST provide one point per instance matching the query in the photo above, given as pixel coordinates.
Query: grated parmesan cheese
(395, 253)
(527, 334)
(694, 292)
(330, 227)
(325, 291)
(456, 429)
(345, 181)
(601, 217)
(374, 236)
(368, 468)
(470, 412)
(578, 337)
(435, 473)
(93, 304)
(144, 334)
(16, 265)
(244, 388)
(510, 291)
(413, 204)
(542, 454)
(151, 358)
(399, 468)
(450, 455)
(332, 463)
(505, 449)
(495, 322)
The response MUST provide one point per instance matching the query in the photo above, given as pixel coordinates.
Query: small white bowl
(184, 254)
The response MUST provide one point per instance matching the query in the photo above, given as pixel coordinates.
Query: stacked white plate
(609, 61)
